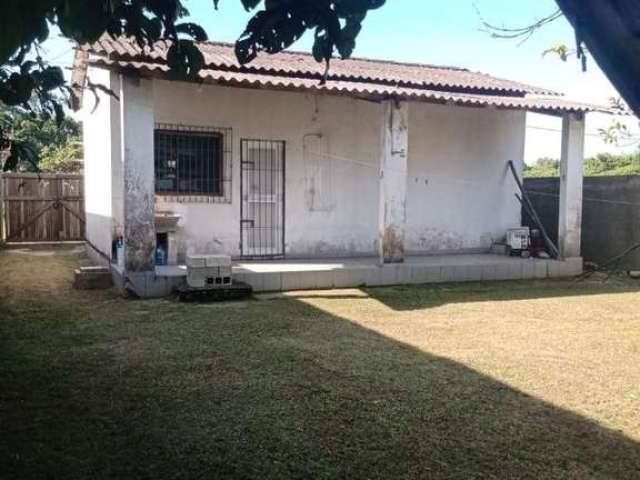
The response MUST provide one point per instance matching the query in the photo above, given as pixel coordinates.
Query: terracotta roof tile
(222, 55)
(354, 77)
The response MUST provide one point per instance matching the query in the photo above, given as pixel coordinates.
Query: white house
(386, 173)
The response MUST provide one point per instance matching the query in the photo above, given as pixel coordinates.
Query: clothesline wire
(480, 185)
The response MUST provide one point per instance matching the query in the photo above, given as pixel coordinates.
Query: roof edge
(540, 104)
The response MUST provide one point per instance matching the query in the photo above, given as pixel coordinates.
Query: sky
(451, 34)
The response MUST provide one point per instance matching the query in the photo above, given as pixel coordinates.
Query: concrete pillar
(137, 127)
(572, 156)
(393, 181)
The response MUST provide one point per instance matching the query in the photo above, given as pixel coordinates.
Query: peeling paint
(393, 244)
(137, 123)
(139, 231)
(393, 182)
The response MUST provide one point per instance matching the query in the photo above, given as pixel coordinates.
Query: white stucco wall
(101, 143)
(459, 193)
(341, 220)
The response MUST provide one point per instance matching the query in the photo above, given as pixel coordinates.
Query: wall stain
(393, 244)
(139, 225)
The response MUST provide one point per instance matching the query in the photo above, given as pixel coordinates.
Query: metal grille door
(262, 192)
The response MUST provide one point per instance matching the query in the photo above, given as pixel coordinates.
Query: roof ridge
(361, 59)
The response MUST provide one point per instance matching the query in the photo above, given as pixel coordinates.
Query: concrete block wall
(610, 215)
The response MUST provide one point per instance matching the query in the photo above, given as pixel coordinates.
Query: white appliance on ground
(518, 238)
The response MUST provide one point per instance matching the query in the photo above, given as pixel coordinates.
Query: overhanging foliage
(26, 24)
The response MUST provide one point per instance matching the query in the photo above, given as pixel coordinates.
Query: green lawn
(504, 380)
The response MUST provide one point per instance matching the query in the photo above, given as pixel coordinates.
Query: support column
(392, 213)
(571, 164)
(137, 128)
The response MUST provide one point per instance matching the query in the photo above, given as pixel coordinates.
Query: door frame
(279, 251)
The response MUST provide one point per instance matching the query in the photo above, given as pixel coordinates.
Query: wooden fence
(41, 207)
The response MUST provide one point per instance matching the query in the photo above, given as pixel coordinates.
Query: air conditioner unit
(208, 271)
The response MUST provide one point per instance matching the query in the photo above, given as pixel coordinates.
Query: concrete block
(158, 287)
(489, 272)
(403, 273)
(420, 274)
(425, 274)
(515, 270)
(373, 276)
(358, 276)
(467, 273)
(503, 271)
(135, 283)
(297, 281)
(389, 274)
(565, 268)
(149, 285)
(434, 273)
(554, 268)
(324, 279)
(447, 274)
(261, 281)
(343, 279)
(541, 269)
(272, 282)
(575, 265)
(242, 277)
(92, 278)
(460, 273)
(528, 269)
(474, 273)
(417, 275)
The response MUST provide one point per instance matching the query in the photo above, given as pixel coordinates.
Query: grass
(503, 380)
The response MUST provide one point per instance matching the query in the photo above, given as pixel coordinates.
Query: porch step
(92, 278)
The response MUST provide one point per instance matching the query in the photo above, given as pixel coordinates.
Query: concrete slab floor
(308, 274)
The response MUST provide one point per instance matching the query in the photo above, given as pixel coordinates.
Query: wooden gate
(41, 208)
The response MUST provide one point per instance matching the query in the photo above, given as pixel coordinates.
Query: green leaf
(322, 48)
(250, 4)
(17, 89)
(49, 78)
(194, 30)
(185, 59)
(346, 41)
(83, 21)
(18, 153)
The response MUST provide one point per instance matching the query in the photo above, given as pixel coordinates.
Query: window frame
(224, 190)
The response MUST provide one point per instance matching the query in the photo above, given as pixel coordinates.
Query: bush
(65, 158)
(600, 165)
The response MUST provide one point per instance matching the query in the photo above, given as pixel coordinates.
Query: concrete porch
(282, 275)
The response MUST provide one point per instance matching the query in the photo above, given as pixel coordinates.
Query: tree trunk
(610, 29)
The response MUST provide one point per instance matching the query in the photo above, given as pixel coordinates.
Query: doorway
(262, 205)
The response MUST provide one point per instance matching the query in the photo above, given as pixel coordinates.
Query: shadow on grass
(414, 297)
(279, 389)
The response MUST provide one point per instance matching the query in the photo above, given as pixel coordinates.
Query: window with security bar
(193, 163)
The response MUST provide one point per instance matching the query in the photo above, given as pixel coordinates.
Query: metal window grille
(193, 164)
